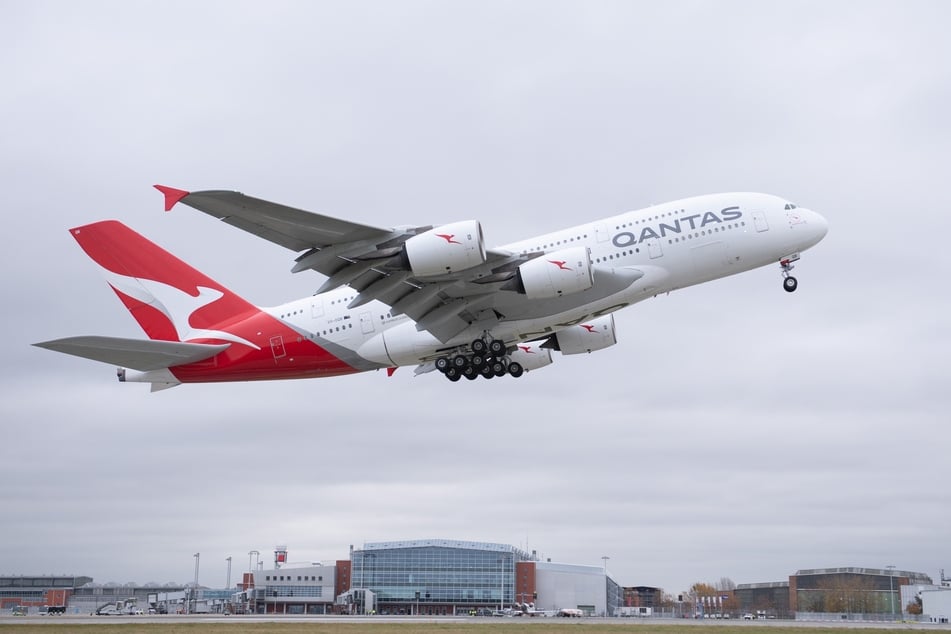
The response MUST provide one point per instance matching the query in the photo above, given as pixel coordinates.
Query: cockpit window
(790, 206)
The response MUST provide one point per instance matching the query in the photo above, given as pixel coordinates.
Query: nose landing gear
(790, 283)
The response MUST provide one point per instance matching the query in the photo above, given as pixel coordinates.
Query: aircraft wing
(138, 354)
(366, 258)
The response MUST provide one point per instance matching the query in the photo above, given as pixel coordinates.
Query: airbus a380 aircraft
(436, 298)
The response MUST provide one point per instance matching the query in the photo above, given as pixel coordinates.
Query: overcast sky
(735, 430)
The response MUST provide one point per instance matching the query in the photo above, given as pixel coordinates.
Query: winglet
(172, 195)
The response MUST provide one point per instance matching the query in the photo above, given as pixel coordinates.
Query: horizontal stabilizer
(138, 354)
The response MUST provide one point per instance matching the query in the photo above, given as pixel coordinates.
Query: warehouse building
(824, 593)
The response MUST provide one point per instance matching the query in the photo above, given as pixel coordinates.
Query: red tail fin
(171, 300)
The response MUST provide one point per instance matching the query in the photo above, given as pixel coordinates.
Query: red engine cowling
(531, 356)
(555, 274)
(587, 336)
(454, 247)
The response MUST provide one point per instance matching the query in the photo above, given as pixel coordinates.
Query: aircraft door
(366, 322)
(654, 248)
(759, 221)
(277, 347)
(603, 233)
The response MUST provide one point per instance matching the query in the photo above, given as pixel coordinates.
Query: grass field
(534, 627)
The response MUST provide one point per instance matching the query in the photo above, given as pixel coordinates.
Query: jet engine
(555, 274)
(531, 356)
(587, 336)
(454, 247)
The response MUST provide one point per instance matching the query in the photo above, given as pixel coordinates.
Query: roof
(448, 543)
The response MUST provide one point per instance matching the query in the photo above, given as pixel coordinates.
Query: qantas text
(685, 223)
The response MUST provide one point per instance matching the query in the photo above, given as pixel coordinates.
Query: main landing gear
(790, 283)
(487, 358)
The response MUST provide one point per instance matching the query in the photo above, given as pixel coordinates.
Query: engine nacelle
(454, 247)
(531, 356)
(555, 274)
(587, 336)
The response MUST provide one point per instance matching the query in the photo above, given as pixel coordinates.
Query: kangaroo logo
(448, 237)
(587, 327)
(560, 264)
(177, 305)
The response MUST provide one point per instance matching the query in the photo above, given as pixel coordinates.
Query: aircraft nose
(819, 224)
(813, 226)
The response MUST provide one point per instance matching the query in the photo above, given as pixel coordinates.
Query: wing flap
(138, 354)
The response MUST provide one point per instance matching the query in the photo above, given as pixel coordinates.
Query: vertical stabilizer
(170, 300)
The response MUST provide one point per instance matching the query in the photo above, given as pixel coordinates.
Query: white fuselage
(673, 245)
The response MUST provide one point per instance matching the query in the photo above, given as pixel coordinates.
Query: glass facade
(440, 571)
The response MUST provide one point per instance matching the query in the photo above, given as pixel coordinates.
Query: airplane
(432, 297)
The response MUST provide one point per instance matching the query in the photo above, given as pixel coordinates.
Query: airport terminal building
(432, 577)
(450, 577)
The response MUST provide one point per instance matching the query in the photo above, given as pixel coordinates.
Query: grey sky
(736, 430)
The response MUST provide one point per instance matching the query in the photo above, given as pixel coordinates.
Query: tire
(497, 348)
(790, 284)
(516, 369)
(453, 374)
(478, 346)
(460, 362)
(477, 360)
(442, 364)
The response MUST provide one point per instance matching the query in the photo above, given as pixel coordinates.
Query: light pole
(195, 588)
(891, 589)
(228, 579)
(251, 555)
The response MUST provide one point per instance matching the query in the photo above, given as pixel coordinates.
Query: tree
(725, 583)
(914, 606)
(701, 589)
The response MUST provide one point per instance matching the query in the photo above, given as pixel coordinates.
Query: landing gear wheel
(497, 348)
(442, 364)
(477, 361)
(460, 362)
(471, 372)
(478, 346)
(487, 372)
(453, 374)
(498, 368)
(516, 369)
(790, 284)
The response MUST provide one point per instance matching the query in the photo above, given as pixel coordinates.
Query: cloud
(735, 430)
